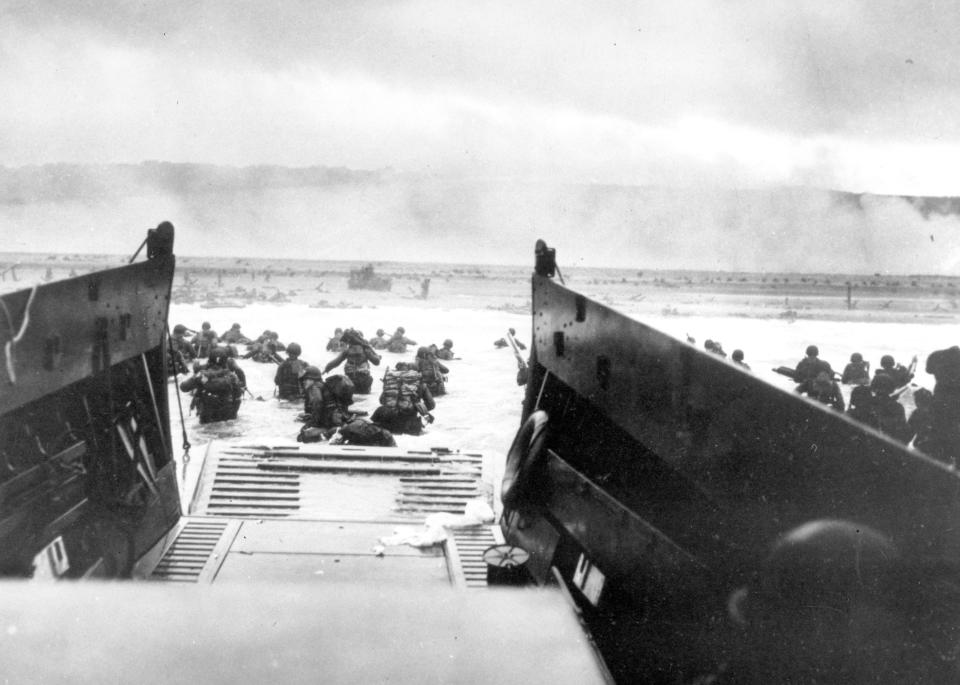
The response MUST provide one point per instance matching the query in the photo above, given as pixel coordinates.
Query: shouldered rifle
(522, 372)
(521, 362)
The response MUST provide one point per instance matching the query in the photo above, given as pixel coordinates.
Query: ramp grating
(188, 555)
(241, 489)
(466, 553)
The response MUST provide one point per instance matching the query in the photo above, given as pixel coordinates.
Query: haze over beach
(782, 136)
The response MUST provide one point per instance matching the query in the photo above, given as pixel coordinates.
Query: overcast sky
(853, 95)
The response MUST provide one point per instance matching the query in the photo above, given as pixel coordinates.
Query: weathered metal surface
(321, 631)
(72, 329)
(196, 552)
(667, 482)
(327, 481)
(718, 459)
(85, 455)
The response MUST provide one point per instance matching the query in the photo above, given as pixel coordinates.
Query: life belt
(525, 454)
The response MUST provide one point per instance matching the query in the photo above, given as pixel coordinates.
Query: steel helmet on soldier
(205, 325)
(886, 361)
(179, 328)
(401, 329)
(311, 373)
(856, 357)
(812, 351)
(293, 348)
(218, 356)
(448, 343)
(737, 355)
(380, 331)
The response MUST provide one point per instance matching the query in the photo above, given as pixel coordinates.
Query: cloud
(684, 92)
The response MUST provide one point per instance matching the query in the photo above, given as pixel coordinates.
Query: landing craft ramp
(318, 512)
(708, 522)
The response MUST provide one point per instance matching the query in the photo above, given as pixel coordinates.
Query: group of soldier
(933, 426)
(407, 398)
(716, 348)
(217, 386)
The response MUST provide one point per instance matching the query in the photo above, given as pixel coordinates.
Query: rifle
(786, 371)
(911, 370)
(522, 371)
(792, 374)
(258, 398)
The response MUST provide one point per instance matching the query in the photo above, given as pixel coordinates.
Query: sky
(855, 95)
(858, 96)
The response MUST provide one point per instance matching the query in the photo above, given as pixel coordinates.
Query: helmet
(218, 356)
(179, 328)
(341, 387)
(311, 373)
(380, 331)
(737, 355)
(205, 325)
(337, 331)
(886, 361)
(401, 329)
(422, 352)
(448, 343)
(826, 563)
(856, 357)
(922, 397)
(293, 348)
(812, 351)
(236, 325)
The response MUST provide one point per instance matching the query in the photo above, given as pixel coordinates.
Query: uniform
(358, 358)
(403, 401)
(217, 391)
(287, 377)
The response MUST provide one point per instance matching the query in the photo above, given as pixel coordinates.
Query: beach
(475, 305)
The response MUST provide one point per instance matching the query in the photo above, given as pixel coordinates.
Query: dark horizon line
(568, 268)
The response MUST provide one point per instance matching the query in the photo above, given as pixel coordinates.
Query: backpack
(362, 432)
(288, 378)
(221, 382)
(401, 390)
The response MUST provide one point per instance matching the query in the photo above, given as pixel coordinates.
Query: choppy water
(482, 408)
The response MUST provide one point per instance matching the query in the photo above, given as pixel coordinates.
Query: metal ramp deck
(296, 512)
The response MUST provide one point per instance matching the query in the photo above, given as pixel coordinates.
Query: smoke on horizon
(381, 217)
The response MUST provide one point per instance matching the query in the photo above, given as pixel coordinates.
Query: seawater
(481, 410)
